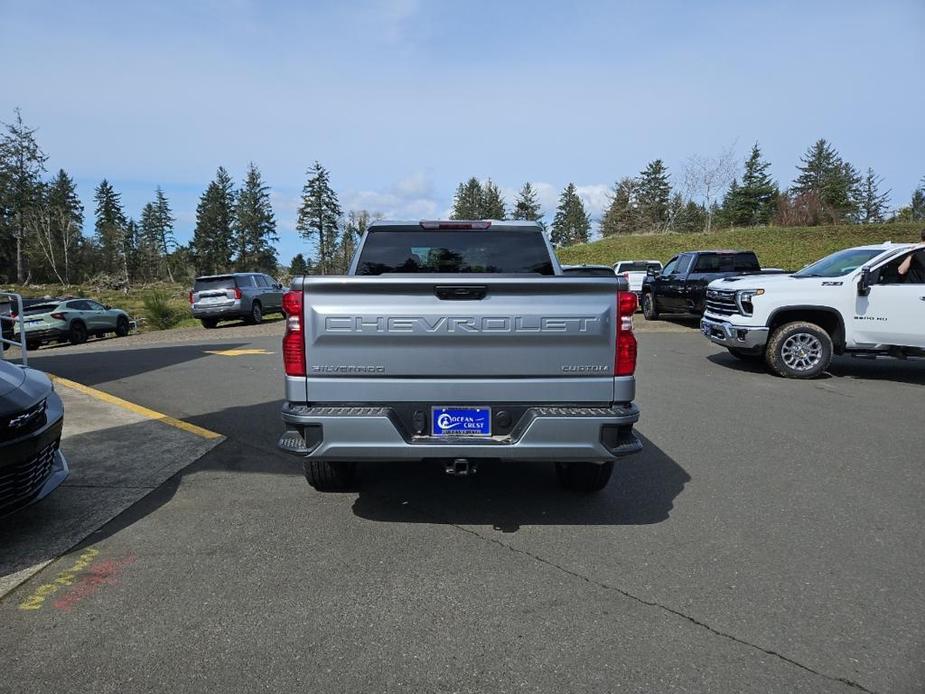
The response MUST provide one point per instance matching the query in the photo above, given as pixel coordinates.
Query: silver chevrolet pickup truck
(459, 342)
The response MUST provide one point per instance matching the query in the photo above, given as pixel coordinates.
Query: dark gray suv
(236, 296)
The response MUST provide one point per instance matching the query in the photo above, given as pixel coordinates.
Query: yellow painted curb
(137, 409)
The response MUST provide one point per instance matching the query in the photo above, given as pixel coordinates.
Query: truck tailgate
(462, 337)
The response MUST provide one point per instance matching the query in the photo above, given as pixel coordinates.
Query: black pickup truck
(681, 286)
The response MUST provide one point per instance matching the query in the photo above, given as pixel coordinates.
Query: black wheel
(648, 307)
(330, 477)
(745, 355)
(799, 350)
(256, 314)
(78, 333)
(33, 345)
(584, 477)
(122, 326)
(208, 323)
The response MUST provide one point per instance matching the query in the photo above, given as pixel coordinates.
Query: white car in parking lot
(854, 301)
(635, 272)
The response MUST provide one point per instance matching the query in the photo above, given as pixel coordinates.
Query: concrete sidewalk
(118, 452)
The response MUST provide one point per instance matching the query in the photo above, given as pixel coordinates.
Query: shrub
(159, 313)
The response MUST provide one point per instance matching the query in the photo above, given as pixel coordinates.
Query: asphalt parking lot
(769, 538)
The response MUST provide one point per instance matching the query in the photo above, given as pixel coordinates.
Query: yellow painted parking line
(65, 578)
(237, 352)
(137, 409)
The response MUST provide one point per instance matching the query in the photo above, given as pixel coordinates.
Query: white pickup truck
(851, 302)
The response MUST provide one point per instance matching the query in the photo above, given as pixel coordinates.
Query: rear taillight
(237, 292)
(14, 314)
(626, 275)
(57, 316)
(191, 297)
(625, 356)
(293, 340)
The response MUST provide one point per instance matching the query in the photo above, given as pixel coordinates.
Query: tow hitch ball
(461, 467)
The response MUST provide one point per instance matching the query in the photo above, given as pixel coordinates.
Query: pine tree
(298, 267)
(148, 241)
(254, 225)
(836, 183)
(691, 218)
(492, 203)
(917, 206)
(873, 203)
(654, 195)
(467, 203)
(726, 213)
(211, 248)
(622, 215)
(110, 229)
(131, 257)
(319, 217)
(752, 203)
(22, 163)
(571, 224)
(527, 206)
(166, 241)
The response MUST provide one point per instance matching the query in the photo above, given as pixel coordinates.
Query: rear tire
(799, 350)
(122, 326)
(78, 333)
(256, 316)
(208, 323)
(330, 477)
(32, 345)
(584, 477)
(648, 307)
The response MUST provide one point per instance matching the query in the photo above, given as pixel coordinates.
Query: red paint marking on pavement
(105, 573)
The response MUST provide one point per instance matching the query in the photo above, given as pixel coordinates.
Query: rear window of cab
(473, 251)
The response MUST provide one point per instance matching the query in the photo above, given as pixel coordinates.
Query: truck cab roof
(454, 224)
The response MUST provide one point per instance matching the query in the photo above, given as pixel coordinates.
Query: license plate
(212, 300)
(461, 421)
(33, 322)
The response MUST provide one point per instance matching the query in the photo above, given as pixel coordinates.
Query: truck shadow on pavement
(509, 495)
(911, 371)
(94, 368)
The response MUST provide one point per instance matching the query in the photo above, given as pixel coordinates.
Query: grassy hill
(785, 247)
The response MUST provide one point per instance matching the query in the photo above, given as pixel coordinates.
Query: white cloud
(412, 197)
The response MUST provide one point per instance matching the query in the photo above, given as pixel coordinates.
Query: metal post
(9, 298)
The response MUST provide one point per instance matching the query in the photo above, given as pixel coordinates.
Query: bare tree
(706, 176)
(55, 231)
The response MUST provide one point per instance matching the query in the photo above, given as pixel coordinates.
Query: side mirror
(864, 282)
(107, 307)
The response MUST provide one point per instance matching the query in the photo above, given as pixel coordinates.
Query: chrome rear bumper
(558, 434)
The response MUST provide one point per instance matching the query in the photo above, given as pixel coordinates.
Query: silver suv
(247, 296)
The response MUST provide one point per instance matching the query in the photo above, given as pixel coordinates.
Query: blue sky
(402, 99)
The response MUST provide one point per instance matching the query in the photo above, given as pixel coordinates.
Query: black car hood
(20, 388)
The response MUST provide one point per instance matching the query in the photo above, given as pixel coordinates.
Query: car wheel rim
(802, 351)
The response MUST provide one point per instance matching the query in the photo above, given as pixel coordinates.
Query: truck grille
(722, 303)
(20, 482)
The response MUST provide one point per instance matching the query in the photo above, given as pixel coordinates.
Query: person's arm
(903, 269)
